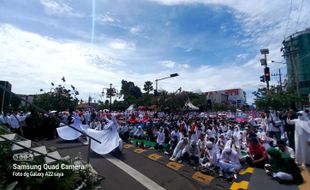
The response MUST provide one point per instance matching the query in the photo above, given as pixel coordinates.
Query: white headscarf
(302, 115)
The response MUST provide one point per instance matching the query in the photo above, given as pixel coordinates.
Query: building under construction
(297, 54)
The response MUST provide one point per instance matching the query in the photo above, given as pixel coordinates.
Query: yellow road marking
(206, 179)
(248, 170)
(154, 156)
(139, 150)
(305, 174)
(240, 185)
(174, 165)
(128, 145)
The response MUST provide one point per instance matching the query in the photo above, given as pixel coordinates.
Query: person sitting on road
(177, 153)
(191, 153)
(229, 162)
(257, 154)
(160, 139)
(211, 155)
(139, 133)
(283, 168)
(281, 145)
(172, 144)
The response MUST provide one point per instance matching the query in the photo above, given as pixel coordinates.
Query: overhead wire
(299, 13)
(288, 19)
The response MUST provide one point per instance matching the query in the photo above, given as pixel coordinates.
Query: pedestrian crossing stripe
(128, 145)
(139, 150)
(239, 185)
(154, 156)
(174, 165)
(206, 179)
(249, 170)
(305, 174)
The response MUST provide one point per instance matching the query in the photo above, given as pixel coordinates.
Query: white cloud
(242, 56)
(185, 66)
(121, 45)
(135, 30)
(189, 50)
(168, 64)
(59, 8)
(264, 22)
(32, 61)
(107, 19)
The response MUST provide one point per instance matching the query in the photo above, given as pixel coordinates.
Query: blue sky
(212, 44)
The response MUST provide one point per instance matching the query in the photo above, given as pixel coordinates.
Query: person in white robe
(302, 133)
(229, 162)
(160, 139)
(177, 152)
(108, 137)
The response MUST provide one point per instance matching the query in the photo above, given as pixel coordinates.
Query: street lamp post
(156, 81)
(110, 92)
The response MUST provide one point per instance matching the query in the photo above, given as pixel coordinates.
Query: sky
(211, 44)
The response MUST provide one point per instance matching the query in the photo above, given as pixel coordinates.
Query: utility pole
(280, 78)
(110, 94)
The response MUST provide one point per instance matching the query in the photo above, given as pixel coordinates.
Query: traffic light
(262, 78)
(267, 73)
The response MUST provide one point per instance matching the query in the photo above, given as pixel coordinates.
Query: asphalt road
(117, 179)
(155, 165)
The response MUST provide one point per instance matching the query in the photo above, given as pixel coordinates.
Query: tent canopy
(190, 106)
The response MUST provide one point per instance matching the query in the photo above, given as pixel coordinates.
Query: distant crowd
(215, 144)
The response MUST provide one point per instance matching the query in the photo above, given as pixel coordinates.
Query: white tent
(130, 108)
(190, 106)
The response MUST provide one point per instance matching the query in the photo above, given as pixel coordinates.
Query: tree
(130, 92)
(148, 87)
(59, 98)
(15, 102)
(278, 99)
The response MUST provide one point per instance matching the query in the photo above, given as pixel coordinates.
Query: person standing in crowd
(302, 133)
(290, 129)
(273, 124)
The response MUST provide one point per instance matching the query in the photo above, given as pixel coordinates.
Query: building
(297, 54)
(5, 97)
(29, 98)
(217, 97)
(228, 96)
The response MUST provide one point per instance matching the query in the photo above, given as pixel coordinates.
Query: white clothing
(302, 133)
(160, 138)
(289, 151)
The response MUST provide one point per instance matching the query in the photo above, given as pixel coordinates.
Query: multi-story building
(297, 53)
(228, 96)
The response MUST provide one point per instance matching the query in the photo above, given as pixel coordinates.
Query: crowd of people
(216, 144)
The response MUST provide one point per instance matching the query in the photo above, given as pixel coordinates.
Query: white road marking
(145, 181)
